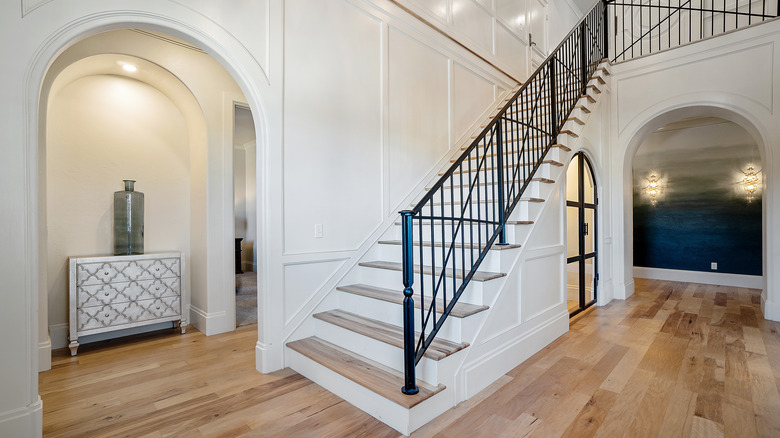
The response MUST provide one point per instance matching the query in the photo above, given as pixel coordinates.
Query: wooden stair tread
(388, 333)
(395, 266)
(460, 310)
(582, 108)
(568, 132)
(495, 247)
(372, 375)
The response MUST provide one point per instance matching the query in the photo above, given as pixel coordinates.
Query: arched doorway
(635, 134)
(210, 255)
(581, 228)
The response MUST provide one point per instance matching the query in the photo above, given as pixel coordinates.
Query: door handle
(585, 229)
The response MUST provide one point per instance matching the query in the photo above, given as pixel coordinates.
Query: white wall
(102, 129)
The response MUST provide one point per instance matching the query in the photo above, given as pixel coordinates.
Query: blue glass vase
(128, 220)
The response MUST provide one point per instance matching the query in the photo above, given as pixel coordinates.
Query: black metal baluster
(500, 173)
(443, 258)
(422, 278)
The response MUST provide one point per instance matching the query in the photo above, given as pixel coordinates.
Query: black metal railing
(447, 234)
(642, 27)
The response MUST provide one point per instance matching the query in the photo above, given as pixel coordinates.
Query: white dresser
(118, 292)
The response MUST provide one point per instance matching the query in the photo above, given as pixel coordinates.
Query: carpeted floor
(246, 298)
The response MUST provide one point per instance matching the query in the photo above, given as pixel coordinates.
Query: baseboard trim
(23, 422)
(44, 355)
(58, 334)
(211, 323)
(770, 309)
(716, 278)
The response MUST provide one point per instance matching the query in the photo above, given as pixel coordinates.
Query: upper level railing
(448, 233)
(642, 27)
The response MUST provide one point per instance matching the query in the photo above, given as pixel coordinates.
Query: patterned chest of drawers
(119, 292)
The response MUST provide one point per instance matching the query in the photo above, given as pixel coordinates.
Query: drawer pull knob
(157, 269)
(106, 293)
(157, 288)
(106, 315)
(158, 307)
(105, 273)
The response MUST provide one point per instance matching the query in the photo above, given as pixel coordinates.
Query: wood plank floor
(674, 360)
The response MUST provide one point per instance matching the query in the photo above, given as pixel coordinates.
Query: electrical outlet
(317, 231)
(714, 266)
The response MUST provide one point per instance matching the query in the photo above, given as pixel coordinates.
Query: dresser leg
(74, 346)
(183, 327)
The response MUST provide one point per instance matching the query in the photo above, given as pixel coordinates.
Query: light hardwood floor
(674, 360)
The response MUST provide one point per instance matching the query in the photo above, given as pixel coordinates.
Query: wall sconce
(750, 182)
(653, 188)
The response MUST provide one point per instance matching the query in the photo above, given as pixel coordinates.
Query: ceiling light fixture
(129, 68)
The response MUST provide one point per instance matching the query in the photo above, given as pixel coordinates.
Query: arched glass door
(581, 203)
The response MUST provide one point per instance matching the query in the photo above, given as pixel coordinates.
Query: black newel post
(410, 381)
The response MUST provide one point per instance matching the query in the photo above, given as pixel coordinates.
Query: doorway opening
(115, 105)
(245, 214)
(581, 252)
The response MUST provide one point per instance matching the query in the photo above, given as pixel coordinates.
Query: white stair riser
(526, 211)
(491, 263)
(392, 313)
(533, 190)
(476, 292)
(374, 404)
(488, 177)
(512, 232)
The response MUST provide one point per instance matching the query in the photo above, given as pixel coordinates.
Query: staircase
(357, 347)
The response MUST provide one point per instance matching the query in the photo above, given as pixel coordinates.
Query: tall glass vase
(128, 220)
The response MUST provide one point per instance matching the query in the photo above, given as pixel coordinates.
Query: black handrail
(454, 233)
(648, 26)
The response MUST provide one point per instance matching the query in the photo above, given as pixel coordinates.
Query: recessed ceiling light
(129, 68)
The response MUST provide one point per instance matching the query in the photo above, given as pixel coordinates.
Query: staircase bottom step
(374, 376)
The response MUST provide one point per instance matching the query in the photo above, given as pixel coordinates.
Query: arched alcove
(210, 227)
(655, 118)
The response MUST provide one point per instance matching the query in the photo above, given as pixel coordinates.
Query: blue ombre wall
(703, 214)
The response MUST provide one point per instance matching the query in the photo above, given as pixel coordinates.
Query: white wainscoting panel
(471, 94)
(418, 111)
(541, 283)
(302, 281)
(513, 50)
(333, 133)
(437, 7)
(471, 20)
